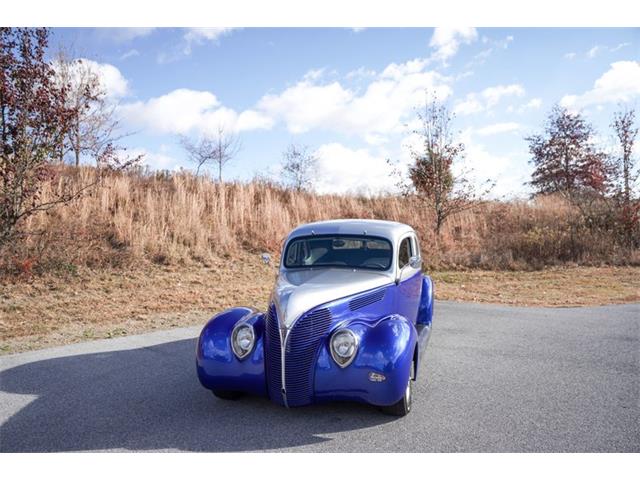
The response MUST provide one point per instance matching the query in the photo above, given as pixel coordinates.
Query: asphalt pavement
(495, 378)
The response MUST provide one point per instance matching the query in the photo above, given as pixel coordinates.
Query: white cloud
(481, 166)
(570, 55)
(314, 74)
(619, 46)
(468, 106)
(487, 99)
(446, 41)
(343, 170)
(183, 111)
(594, 51)
(381, 108)
(493, 95)
(500, 44)
(306, 105)
(122, 35)
(198, 36)
(533, 104)
(129, 53)
(621, 83)
(154, 160)
(497, 128)
(361, 72)
(598, 49)
(253, 120)
(191, 38)
(111, 79)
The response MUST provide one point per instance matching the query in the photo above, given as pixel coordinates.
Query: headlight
(242, 340)
(344, 346)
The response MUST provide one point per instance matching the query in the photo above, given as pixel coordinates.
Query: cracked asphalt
(494, 378)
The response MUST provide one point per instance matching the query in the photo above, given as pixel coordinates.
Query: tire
(227, 394)
(403, 406)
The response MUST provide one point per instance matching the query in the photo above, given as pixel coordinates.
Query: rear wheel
(227, 394)
(403, 406)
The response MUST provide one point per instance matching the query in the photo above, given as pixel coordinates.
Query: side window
(404, 254)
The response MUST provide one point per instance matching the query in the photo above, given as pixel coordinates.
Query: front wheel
(227, 394)
(403, 406)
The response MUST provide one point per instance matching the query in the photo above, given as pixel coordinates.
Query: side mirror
(415, 262)
(266, 258)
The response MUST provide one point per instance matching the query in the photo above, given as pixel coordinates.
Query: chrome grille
(302, 346)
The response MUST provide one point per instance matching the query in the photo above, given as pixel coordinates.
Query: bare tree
(95, 125)
(298, 166)
(626, 132)
(431, 174)
(625, 171)
(218, 149)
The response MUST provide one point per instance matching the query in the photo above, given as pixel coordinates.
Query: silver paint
(299, 290)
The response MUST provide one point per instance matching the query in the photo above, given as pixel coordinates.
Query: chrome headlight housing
(343, 346)
(243, 338)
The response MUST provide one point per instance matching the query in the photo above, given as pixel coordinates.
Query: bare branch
(298, 166)
(218, 149)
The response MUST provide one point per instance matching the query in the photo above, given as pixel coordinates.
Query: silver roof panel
(380, 228)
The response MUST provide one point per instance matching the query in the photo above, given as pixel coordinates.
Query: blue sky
(350, 95)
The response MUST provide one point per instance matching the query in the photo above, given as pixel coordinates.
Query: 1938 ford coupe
(349, 319)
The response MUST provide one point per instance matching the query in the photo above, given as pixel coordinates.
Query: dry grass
(555, 287)
(51, 310)
(181, 219)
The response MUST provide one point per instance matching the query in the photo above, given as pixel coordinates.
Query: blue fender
(218, 367)
(425, 311)
(385, 347)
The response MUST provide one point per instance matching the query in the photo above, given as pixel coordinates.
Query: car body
(348, 319)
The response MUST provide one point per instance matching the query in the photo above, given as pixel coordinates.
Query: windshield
(347, 251)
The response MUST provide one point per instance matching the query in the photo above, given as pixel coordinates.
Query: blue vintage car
(349, 319)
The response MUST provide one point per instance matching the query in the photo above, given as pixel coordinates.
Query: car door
(408, 277)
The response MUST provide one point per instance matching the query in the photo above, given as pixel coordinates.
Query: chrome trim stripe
(283, 348)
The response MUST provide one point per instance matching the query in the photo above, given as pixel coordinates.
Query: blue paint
(218, 368)
(388, 342)
(392, 324)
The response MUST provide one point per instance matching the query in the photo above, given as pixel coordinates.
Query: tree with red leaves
(36, 119)
(565, 158)
(431, 173)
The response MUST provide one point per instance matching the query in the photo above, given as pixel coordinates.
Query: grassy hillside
(180, 219)
(142, 252)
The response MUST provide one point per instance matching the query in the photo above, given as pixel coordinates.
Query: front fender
(218, 367)
(386, 347)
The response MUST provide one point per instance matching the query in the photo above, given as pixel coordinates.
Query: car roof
(378, 228)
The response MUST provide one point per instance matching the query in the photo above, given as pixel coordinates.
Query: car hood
(298, 291)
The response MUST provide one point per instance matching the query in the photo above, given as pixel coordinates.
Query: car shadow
(150, 399)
